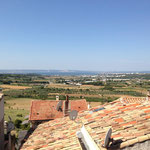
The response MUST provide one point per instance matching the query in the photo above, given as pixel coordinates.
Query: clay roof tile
(130, 126)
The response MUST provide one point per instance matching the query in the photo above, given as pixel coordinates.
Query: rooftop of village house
(46, 110)
(130, 124)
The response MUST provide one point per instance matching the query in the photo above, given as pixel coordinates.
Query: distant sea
(65, 72)
(50, 72)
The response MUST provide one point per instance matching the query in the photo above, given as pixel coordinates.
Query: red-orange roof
(127, 100)
(130, 124)
(78, 105)
(44, 110)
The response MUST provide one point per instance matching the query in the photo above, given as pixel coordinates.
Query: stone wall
(1, 122)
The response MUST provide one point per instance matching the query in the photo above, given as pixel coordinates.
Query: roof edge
(134, 141)
(31, 110)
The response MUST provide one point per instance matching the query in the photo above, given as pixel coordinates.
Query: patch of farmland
(66, 86)
(15, 87)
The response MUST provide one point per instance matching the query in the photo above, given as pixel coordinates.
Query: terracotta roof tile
(127, 100)
(130, 126)
(78, 105)
(46, 109)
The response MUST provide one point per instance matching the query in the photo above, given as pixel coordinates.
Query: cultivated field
(19, 103)
(65, 86)
(18, 106)
(87, 95)
(14, 87)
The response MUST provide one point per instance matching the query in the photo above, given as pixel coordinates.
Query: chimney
(57, 98)
(66, 108)
(89, 105)
(67, 98)
(148, 94)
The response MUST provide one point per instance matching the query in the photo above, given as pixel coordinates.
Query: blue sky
(100, 35)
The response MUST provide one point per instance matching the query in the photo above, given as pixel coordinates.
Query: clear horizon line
(73, 70)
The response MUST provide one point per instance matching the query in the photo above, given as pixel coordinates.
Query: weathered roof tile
(129, 123)
(46, 109)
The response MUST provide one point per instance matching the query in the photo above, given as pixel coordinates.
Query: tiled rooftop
(46, 109)
(78, 105)
(127, 100)
(130, 123)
